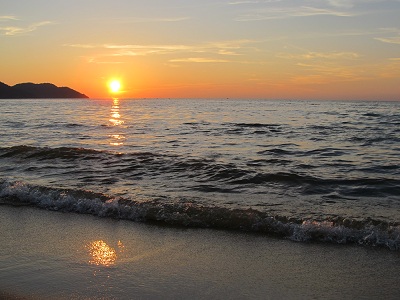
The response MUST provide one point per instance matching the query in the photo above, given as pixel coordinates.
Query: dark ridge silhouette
(35, 91)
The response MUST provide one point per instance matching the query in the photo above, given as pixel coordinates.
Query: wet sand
(52, 255)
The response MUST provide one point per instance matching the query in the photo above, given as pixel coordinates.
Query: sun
(115, 86)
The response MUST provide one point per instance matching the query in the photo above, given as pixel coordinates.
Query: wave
(253, 128)
(47, 153)
(206, 174)
(189, 213)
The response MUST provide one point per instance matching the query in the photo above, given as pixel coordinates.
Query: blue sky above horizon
(333, 49)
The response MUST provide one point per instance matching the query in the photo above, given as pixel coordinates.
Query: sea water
(325, 171)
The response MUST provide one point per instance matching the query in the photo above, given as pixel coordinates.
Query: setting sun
(114, 86)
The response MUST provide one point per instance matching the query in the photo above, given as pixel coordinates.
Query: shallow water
(326, 171)
(48, 255)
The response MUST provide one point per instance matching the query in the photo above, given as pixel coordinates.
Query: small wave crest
(189, 213)
(206, 173)
(27, 152)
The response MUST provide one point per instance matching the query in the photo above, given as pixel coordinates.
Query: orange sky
(333, 49)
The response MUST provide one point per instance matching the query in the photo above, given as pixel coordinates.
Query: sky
(272, 49)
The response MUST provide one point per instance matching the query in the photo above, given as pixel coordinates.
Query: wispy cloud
(210, 52)
(199, 60)
(14, 30)
(323, 67)
(390, 40)
(93, 60)
(151, 49)
(395, 39)
(252, 2)
(256, 10)
(155, 20)
(270, 13)
(352, 3)
(242, 2)
(319, 55)
(5, 18)
(327, 73)
(84, 46)
(341, 3)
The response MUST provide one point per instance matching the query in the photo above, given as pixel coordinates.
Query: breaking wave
(189, 213)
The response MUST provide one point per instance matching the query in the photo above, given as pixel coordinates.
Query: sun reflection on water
(115, 120)
(101, 254)
(115, 115)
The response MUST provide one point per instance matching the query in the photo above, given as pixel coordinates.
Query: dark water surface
(324, 171)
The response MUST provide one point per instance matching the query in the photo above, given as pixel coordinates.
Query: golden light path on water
(101, 254)
(115, 120)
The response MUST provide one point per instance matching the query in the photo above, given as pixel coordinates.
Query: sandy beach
(51, 255)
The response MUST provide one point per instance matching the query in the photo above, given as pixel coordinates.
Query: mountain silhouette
(33, 91)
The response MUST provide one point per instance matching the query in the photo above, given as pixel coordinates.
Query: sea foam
(179, 212)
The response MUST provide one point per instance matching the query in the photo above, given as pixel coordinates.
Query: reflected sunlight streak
(101, 254)
(115, 115)
(115, 120)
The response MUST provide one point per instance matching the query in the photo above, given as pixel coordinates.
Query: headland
(34, 91)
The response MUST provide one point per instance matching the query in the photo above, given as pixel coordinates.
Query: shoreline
(53, 255)
(339, 230)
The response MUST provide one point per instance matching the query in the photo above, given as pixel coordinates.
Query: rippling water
(326, 171)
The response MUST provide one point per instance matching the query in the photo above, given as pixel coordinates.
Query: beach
(54, 255)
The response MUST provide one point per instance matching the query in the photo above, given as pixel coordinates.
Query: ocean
(306, 171)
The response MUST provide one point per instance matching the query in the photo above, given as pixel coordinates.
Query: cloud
(319, 55)
(327, 73)
(313, 11)
(135, 50)
(222, 48)
(6, 18)
(84, 46)
(390, 40)
(252, 2)
(243, 2)
(156, 20)
(199, 60)
(352, 3)
(96, 61)
(324, 67)
(13, 30)
(270, 13)
(279, 9)
(341, 3)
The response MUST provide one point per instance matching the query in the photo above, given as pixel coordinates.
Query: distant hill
(34, 91)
